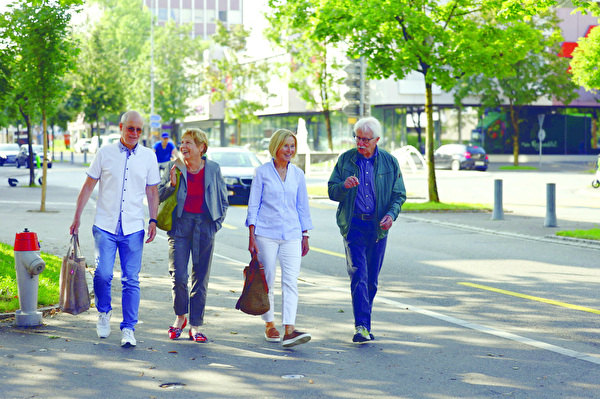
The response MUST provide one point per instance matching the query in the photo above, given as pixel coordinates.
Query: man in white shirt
(127, 172)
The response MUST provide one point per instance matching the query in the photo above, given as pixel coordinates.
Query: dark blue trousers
(364, 257)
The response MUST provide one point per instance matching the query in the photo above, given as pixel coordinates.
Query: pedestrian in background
(368, 184)
(200, 211)
(278, 221)
(127, 172)
(165, 150)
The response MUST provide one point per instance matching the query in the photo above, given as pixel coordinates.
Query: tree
(314, 67)
(40, 35)
(97, 82)
(442, 40)
(539, 74)
(177, 61)
(586, 59)
(237, 82)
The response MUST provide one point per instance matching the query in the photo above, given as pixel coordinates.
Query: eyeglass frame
(363, 139)
(132, 129)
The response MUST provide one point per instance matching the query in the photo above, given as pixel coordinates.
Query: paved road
(422, 350)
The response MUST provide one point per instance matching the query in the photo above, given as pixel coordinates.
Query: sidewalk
(64, 358)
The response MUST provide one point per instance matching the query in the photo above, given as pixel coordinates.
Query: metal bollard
(61, 157)
(85, 158)
(498, 213)
(550, 220)
(72, 158)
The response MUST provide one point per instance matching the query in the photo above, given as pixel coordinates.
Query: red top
(27, 241)
(195, 192)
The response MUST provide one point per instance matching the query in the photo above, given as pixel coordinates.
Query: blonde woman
(278, 221)
(201, 207)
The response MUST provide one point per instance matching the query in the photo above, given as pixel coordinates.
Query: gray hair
(131, 114)
(368, 124)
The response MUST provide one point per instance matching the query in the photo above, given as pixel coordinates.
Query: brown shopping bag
(74, 292)
(254, 299)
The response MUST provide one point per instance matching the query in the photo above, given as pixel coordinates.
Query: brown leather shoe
(295, 338)
(272, 335)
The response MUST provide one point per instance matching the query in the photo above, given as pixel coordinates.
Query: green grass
(512, 167)
(443, 207)
(48, 280)
(591, 234)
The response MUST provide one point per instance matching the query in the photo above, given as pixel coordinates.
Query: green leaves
(586, 59)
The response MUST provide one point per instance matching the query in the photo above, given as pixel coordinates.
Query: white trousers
(289, 254)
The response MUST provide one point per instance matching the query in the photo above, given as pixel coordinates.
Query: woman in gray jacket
(200, 211)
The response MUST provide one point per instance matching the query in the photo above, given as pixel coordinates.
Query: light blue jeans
(130, 254)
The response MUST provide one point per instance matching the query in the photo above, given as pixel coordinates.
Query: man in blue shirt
(165, 150)
(368, 185)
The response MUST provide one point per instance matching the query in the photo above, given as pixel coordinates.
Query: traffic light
(358, 92)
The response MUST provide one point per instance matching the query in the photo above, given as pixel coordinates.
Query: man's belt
(364, 216)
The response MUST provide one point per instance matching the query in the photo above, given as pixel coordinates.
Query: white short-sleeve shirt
(123, 175)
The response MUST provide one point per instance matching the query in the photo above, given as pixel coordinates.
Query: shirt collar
(123, 148)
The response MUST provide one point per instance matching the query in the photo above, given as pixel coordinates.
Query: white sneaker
(103, 326)
(127, 340)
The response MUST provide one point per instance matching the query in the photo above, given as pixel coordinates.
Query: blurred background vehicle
(461, 156)
(23, 156)
(237, 167)
(82, 145)
(8, 153)
(97, 142)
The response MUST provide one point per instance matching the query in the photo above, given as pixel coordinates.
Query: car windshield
(9, 147)
(237, 159)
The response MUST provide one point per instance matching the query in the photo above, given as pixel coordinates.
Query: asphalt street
(420, 351)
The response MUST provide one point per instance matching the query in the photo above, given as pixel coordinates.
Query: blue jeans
(364, 257)
(130, 254)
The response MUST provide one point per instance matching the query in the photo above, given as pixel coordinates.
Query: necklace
(195, 170)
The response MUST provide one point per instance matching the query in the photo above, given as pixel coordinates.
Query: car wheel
(596, 183)
(455, 165)
(18, 164)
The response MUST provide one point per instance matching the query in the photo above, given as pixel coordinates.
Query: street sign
(155, 125)
(155, 118)
(542, 135)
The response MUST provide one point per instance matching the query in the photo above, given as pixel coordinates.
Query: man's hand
(351, 181)
(386, 222)
(151, 232)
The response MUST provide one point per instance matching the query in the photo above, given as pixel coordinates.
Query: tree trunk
(514, 120)
(238, 131)
(29, 139)
(327, 115)
(432, 184)
(44, 160)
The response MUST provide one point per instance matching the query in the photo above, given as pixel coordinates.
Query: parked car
(82, 145)
(23, 156)
(8, 153)
(237, 167)
(460, 156)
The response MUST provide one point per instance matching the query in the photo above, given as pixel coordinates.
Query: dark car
(461, 156)
(23, 156)
(237, 167)
(8, 153)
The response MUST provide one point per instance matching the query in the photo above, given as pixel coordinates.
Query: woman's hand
(173, 173)
(252, 247)
(305, 246)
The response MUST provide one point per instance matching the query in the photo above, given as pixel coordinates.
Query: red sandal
(198, 337)
(175, 332)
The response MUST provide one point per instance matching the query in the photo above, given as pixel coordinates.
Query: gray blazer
(215, 190)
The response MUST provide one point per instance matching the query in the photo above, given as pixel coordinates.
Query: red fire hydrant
(28, 265)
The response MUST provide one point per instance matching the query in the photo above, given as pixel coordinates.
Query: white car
(237, 167)
(82, 145)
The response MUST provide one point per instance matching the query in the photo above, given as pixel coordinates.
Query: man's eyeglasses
(363, 139)
(132, 129)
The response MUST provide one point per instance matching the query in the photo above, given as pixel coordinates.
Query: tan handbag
(254, 299)
(74, 292)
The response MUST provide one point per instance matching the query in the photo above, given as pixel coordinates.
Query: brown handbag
(254, 299)
(74, 292)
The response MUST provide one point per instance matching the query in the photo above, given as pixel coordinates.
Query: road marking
(326, 252)
(533, 298)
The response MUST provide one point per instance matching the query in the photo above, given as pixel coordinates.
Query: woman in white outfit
(278, 220)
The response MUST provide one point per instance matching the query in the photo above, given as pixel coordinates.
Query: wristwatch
(153, 220)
